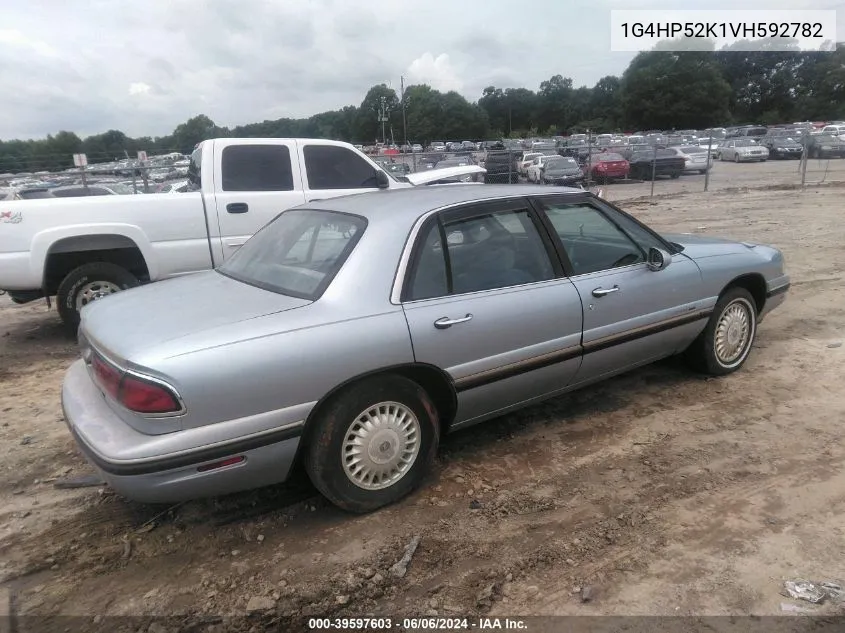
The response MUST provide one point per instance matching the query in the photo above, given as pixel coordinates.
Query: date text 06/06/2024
(417, 624)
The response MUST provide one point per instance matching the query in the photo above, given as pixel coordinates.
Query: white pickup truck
(81, 249)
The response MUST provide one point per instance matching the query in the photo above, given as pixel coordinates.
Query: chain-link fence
(162, 173)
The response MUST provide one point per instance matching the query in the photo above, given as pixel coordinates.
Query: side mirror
(658, 259)
(382, 180)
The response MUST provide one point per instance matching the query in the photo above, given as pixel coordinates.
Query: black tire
(736, 158)
(323, 455)
(80, 277)
(702, 355)
(676, 175)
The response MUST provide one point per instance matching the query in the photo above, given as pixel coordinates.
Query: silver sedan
(350, 334)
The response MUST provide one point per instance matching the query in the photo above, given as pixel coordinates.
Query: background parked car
(537, 166)
(662, 162)
(607, 167)
(742, 150)
(783, 147)
(560, 170)
(825, 146)
(696, 159)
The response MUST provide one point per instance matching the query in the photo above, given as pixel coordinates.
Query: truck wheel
(88, 283)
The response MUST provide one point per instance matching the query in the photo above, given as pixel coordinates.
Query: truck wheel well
(70, 253)
(753, 283)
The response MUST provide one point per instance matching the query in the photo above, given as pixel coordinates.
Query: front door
(489, 305)
(632, 314)
(254, 182)
(333, 170)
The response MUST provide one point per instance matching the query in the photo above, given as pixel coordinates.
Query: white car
(696, 159)
(743, 149)
(836, 130)
(527, 159)
(533, 170)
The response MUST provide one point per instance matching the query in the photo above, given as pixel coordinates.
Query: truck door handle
(445, 322)
(237, 207)
(600, 292)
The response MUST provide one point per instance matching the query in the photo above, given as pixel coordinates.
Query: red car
(607, 166)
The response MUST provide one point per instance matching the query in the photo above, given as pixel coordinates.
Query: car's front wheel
(725, 343)
(373, 443)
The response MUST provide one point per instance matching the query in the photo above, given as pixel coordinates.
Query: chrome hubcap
(94, 290)
(733, 332)
(381, 445)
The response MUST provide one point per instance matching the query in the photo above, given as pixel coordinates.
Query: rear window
(257, 168)
(692, 149)
(609, 157)
(298, 253)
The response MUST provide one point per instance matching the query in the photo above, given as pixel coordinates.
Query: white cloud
(139, 88)
(15, 38)
(437, 72)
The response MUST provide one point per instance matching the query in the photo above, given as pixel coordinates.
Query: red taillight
(133, 392)
(144, 396)
(107, 376)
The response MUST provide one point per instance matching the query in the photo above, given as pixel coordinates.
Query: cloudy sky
(144, 67)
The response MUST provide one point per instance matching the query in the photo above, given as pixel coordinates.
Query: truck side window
(333, 167)
(257, 168)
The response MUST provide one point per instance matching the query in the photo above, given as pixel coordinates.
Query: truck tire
(88, 283)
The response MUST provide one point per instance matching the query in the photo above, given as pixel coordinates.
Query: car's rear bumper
(267, 457)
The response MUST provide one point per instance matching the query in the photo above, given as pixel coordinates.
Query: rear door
(632, 315)
(254, 181)
(334, 170)
(492, 308)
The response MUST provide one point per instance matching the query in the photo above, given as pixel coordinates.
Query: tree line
(659, 89)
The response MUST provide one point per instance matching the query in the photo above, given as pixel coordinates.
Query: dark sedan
(782, 147)
(826, 146)
(662, 162)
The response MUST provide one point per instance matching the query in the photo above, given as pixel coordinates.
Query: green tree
(367, 126)
(195, 130)
(662, 89)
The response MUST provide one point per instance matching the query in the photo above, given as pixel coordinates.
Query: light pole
(402, 97)
(382, 117)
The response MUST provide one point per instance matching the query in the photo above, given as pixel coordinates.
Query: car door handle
(237, 207)
(444, 322)
(600, 292)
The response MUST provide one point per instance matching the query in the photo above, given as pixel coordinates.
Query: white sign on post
(142, 156)
(80, 160)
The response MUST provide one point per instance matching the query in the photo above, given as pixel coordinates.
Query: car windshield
(827, 138)
(787, 142)
(745, 142)
(298, 253)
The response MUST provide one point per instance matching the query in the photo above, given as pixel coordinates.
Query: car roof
(412, 202)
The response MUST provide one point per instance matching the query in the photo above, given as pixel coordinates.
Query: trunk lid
(139, 319)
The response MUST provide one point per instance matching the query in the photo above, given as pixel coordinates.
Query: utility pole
(402, 96)
(382, 117)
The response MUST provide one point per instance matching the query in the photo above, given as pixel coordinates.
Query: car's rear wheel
(88, 283)
(373, 443)
(736, 158)
(725, 343)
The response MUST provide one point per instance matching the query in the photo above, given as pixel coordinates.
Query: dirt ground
(656, 493)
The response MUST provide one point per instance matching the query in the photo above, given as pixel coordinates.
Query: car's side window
(642, 236)
(591, 241)
(334, 167)
(256, 168)
(484, 252)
